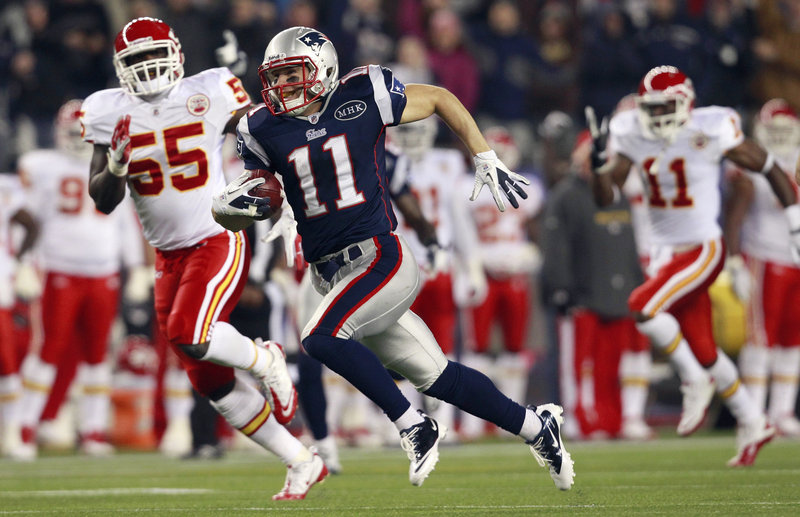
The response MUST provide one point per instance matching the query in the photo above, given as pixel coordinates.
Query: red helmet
(666, 96)
(69, 131)
(777, 127)
(147, 57)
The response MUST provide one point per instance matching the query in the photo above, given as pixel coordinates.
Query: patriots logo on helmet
(313, 40)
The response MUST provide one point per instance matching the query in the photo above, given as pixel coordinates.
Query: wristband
(769, 163)
(117, 169)
(793, 215)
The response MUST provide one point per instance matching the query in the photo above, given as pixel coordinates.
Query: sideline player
(679, 149)
(325, 137)
(161, 135)
(766, 278)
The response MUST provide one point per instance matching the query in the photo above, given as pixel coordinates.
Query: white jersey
(682, 177)
(431, 180)
(176, 162)
(74, 237)
(765, 229)
(12, 199)
(504, 245)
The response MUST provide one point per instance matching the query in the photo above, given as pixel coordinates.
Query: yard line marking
(108, 491)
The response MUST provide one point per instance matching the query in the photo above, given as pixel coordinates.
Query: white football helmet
(317, 75)
(147, 57)
(665, 100)
(68, 131)
(777, 127)
(414, 138)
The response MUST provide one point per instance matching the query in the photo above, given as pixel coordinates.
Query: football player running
(160, 135)
(679, 149)
(765, 276)
(324, 136)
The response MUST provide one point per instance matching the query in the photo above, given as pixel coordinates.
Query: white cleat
(548, 448)
(301, 477)
(329, 452)
(96, 445)
(749, 440)
(635, 429)
(696, 399)
(177, 439)
(788, 426)
(421, 443)
(278, 382)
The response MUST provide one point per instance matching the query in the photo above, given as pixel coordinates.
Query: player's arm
(230, 127)
(751, 156)
(413, 216)
(737, 204)
(31, 227)
(423, 100)
(108, 170)
(609, 178)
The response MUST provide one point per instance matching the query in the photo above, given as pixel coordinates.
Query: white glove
(119, 152)
(740, 277)
(469, 284)
(437, 260)
(285, 227)
(793, 215)
(137, 287)
(27, 283)
(230, 56)
(235, 200)
(489, 170)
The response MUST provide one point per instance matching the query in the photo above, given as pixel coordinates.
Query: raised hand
(489, 170)
(119, 153)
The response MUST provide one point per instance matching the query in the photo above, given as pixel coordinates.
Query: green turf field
(669, 476)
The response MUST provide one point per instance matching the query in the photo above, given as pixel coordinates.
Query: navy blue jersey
(332, 162)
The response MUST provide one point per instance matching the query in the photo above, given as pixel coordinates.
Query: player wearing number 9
(159, 137)
(324, 137)
(679, 149)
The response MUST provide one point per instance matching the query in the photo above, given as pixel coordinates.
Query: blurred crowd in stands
(510, 62)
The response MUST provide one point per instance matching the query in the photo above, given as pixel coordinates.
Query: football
(270, 189)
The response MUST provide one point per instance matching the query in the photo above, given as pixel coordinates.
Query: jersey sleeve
(96, 126)
(389, 93)
(730, 130)
(247, 147)
(620, 133)
(229, 90)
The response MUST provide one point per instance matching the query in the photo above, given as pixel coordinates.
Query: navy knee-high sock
(475, 393)
(311, 394)
(361, 368)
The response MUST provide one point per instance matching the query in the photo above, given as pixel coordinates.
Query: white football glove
(285, 227)
(470, 286)
(137, 286)
(489, 170)
(793, 215)
(437, 259)
(235, 200)
(119, 152)
(27, 283)
(230, 56)
(740, 277)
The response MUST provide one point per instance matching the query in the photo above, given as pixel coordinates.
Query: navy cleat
(421, 443)
(548, 449)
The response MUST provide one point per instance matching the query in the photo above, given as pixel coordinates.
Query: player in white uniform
(79, 252)
(161, 135)
(510, 258)
(12, 213)
(768, 279)
(679, 149)
(432, 175)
